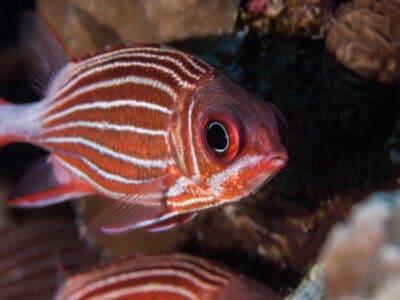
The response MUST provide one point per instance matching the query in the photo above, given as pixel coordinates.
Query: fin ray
(171, 222)
(44, 183)
(123, 215)
(44, 52)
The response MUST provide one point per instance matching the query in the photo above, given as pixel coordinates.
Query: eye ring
(217, 137)
(229, 135)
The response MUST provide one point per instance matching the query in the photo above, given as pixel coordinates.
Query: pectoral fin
(131, 210)
(122, 216)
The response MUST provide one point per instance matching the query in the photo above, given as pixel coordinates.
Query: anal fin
(171, 222)
(46, 182)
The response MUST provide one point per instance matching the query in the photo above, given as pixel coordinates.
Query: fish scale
(131, 124)
(80, 105)
(167, 277)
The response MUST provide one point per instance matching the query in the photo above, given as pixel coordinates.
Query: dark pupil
(217, 137)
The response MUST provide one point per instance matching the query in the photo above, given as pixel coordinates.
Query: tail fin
(14, 121)
(5, 136)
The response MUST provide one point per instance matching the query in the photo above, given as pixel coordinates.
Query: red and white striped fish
(32, 254)
(157, 131)
(163, 277)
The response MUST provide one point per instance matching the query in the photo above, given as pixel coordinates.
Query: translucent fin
(45, 182)
(61, 270)
(125, 215)
(44, 52)
(171, 222)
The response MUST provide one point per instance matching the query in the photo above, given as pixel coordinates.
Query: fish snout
(276, 160)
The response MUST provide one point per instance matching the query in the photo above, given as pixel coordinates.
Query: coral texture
(369, 241)
(366, 38)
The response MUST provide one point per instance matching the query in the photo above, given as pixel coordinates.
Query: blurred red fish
(30, 253)
(163, 277)
(157, 131)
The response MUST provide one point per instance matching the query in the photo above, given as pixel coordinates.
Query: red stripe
(125, 91)
(174, 264)
(108, 164)
(115, 167)
(129, 143)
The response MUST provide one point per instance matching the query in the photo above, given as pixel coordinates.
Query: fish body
(30, 253)
(156, 130)
(163, 277)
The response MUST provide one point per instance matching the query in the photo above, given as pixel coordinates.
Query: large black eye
(217, 137)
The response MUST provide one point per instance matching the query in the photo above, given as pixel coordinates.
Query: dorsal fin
(44, 52)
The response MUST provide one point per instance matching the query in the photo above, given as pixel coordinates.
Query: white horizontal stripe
(203, 200)
(215, 181)
(115, 65)
(180, 186)
(131, 53)
(106, 126)
(109, 193)
(106, 105)
(138, 162)
(140, 274)
(183, 55)
(147, 288)
(88, 179)
(146, 51)
(147, 81)
(178, 63)
(112, 176)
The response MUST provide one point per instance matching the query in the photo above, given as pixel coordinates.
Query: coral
(308, 18)
(368, 241)
(311, 287)
(365, 38)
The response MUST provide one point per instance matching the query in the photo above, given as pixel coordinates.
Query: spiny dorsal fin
(45, 54)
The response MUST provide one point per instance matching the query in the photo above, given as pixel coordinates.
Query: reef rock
(366, 38)
(89, 25)
(307, 18)
(362, 257)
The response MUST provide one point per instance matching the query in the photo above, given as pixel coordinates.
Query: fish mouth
(267, 169)
(276, 161)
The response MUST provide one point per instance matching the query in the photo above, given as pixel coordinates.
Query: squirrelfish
(156, 130)
(163, 277)
(31, 253)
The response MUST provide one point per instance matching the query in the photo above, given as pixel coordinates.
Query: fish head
(234, 141)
